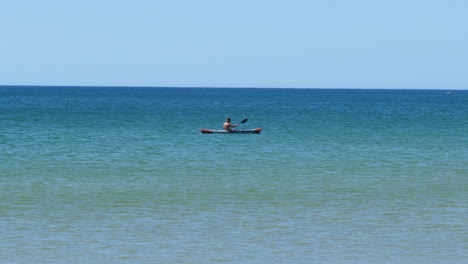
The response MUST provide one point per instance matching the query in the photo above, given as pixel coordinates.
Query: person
(227, 125)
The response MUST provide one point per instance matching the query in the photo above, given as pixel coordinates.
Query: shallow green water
(123, 175)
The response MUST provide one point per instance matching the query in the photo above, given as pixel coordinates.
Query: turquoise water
(123, 175)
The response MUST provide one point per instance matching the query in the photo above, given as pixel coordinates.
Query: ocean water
(123, 175)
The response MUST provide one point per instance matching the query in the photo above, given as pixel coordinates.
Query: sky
(383, 44)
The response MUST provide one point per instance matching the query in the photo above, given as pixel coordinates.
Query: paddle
(243, 121)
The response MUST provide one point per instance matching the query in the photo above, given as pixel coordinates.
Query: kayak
(247, 131)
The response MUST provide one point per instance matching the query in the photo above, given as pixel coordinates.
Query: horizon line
(222, 87)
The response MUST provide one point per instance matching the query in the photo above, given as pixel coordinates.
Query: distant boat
(250, 131)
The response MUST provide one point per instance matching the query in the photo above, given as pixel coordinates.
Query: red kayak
(247, 131)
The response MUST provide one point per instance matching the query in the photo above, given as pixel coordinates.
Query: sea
(123, 175)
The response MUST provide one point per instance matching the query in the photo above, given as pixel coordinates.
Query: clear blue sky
(420, 44)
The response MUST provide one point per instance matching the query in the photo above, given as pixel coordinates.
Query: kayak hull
(221, 131)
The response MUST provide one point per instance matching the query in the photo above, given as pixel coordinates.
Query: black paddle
(243, 121)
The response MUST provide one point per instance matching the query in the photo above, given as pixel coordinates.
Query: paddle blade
(243, 121)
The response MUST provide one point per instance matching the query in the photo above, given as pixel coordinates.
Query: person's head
(228, 119)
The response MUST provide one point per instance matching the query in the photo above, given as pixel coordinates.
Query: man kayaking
(227, 125)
